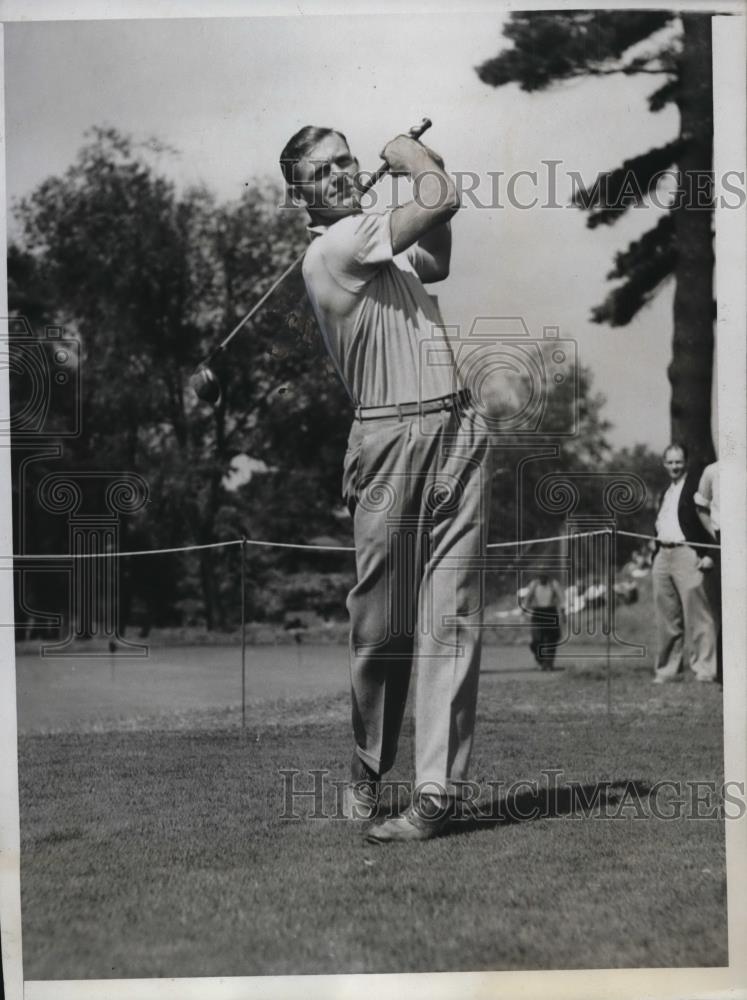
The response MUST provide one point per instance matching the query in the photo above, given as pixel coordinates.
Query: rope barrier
(300, 545)
(328, 548)
(553, 538)
(139, 552)
(275, 545)
(652, 538)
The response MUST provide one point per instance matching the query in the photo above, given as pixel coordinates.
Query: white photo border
(730, 106)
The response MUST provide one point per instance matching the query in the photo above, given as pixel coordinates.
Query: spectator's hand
(705, 563)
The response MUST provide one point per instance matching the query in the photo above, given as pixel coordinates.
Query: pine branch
(628, 70)
(665, 94)
(549, 47)
(645, 264)
(615, 191)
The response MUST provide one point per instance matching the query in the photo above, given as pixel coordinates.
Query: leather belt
(670, 545)
(454, 401)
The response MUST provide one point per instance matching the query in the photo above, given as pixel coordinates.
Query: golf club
(204, 381)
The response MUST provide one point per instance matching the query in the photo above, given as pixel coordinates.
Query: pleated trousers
(418, 489)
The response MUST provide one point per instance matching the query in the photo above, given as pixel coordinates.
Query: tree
(550, 47)
(110, 241)
(148, 280)
(571, 439)
(641, 461)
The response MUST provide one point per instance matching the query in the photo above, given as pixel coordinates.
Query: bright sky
(227, 93)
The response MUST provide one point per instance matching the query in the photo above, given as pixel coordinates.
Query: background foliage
(147, 280)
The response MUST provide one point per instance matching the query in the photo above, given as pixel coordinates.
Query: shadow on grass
(614, 799)
(623, 797)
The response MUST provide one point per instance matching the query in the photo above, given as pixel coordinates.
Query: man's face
(674, 463)
(326, 179)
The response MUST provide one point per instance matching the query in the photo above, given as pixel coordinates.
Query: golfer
(415, 475)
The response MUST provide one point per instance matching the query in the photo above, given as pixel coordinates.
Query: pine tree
(550, 47)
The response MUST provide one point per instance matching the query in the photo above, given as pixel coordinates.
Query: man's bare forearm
(433, 251)
(437, 242)
(436, 197)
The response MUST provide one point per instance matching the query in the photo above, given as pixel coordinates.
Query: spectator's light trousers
(684, 615)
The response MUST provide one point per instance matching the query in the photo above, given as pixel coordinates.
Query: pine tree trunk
(691, 369)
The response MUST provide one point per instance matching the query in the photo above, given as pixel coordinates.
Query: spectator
(544, 601)
(707, 505)
(707, 501)
(684, 616)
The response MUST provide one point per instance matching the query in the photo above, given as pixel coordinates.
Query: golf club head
(206, 386)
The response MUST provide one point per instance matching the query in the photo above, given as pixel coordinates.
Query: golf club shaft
(255, 308)
(415, 132)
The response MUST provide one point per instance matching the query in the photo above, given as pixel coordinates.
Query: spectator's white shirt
(668, 523)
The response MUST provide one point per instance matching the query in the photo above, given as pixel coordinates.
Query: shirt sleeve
(355, 247)
(417, 260)
(704, 495)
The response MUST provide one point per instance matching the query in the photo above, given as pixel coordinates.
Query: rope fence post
(243, 632)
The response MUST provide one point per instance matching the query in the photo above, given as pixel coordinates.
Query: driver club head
(206, 386)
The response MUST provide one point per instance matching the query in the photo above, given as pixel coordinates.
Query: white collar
(320, 228)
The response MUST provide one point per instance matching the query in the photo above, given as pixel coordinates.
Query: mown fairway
(163, 852)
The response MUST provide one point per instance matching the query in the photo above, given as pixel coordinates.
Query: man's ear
(296, 196)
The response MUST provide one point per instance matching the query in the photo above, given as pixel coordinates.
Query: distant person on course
(545, 601)
(415, 474)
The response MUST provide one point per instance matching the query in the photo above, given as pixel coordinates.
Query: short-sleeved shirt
(708, 494)
(382, 329)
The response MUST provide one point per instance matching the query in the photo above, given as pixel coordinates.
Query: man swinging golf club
(415, 475)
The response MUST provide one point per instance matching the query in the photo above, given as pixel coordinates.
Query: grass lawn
(163, 852)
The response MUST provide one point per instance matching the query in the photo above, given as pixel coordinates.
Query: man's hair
(679, 446)
(300, 145)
